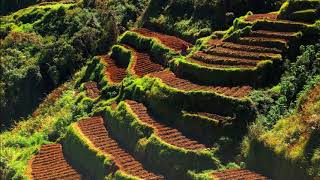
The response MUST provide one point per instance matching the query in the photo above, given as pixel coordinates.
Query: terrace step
(227, 65)
(143, 63)
(94, 129)
(273, 34)
(220, 60)
(172, 42)
(264, 42)
(225, 52)
(267, 16)
(172, 80)
(50, 163)
(224, 64)
(238, 174)
(280, 25)
(250, 48)
(169, 135)
(114, 71)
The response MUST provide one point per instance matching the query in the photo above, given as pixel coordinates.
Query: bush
(126, 12)
(59, 59)
(18, 68)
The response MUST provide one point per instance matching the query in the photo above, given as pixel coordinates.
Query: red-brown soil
(231, 54)
(92, 90)
(50, 163)
(143, 63)
(170, 41)
(250, 48)
(169, 135)
(209, 60)
(269, 16)
(220, 51)
(285, 36)
(262, 41)
(94, 129)
(222, 63)
(114, 72)
(238, 174)
(172, 80)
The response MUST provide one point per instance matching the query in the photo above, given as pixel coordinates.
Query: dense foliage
(287, 126)
(45, 45)
(281, 99)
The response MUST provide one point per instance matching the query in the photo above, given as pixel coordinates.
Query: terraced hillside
(247, 56)
(167, 134)
(173, 103)
(170, 79)
(93, 131)
(158, 107)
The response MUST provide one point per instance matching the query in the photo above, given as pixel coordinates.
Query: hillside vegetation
(199, 18)
(187, 89)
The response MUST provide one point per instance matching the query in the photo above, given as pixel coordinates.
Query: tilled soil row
(270, 17)
(221, 64)
(50, 163)
(238, 174)
(209, 60)
(116, 73)
(250, 48)
(172, 80)
(94, 129)
(226, 52)
(170, 41)
(168, 134)
(143, 63)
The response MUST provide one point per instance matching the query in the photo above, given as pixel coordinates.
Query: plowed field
(114, 72)
(238, 174)
(50, 163)
(172, 80)
(170, 41)
(169, 135)
(94, 129)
